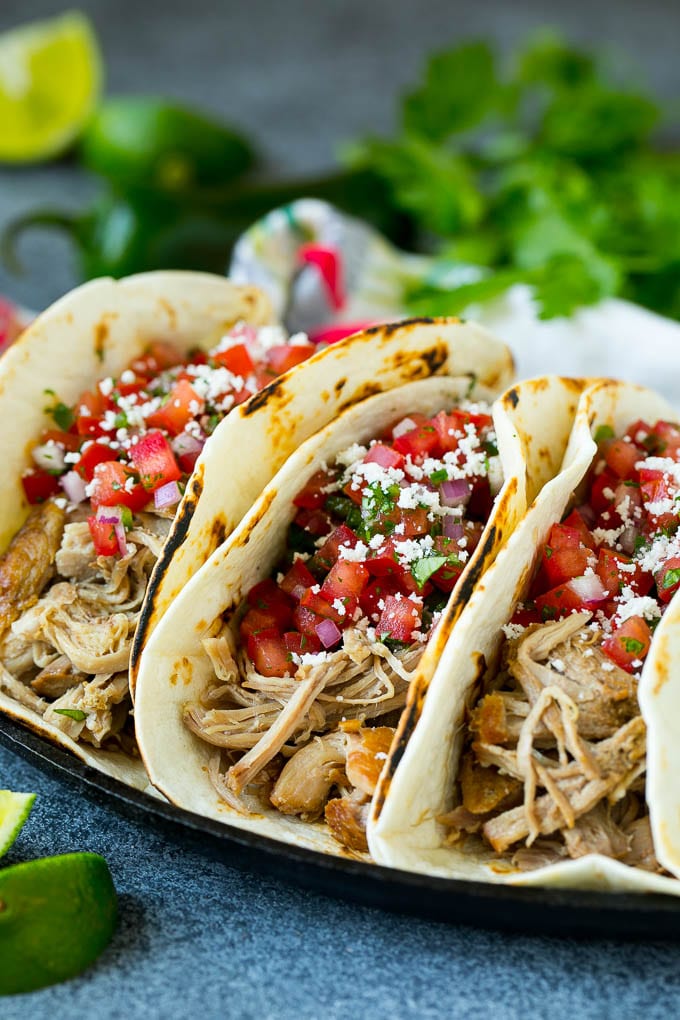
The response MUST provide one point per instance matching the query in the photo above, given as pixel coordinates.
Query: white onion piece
(402, 427)
(73, 486)
(49, 457)
(628, 538)
(122, 542)
(589, 588)
(167, 495)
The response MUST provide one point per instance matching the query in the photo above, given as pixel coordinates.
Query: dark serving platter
(546, 911)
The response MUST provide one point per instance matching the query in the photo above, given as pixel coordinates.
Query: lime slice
(50, 73)
(57, 915)
(14, 810)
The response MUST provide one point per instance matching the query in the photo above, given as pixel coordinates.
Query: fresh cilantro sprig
(548, 173)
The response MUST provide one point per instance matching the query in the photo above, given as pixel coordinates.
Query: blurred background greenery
(543, 156)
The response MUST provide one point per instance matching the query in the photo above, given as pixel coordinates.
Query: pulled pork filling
(104, 484)
(331, 642)
(67, 619)
(555, 758)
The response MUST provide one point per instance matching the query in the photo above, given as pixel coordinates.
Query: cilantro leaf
(72, 713)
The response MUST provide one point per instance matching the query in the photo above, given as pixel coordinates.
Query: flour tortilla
(175, 670)
(98, 328)
(419, 786)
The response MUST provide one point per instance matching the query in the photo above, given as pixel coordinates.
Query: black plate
(550, 911)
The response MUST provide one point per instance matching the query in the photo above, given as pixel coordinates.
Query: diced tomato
(607, 480)
(318, 605)
(575, 522)
(561, 564)
(312, 496)
(297, 580)
(449, 429)
(330, 550)
(400, 617)
(638, 432)
(669, 434)
(383, 562)
(417, 443)
(629, 643)
(306, 621)
(301, 644)
(115, 484)
(159, 355)
(182, 405)
(39, 485)
(564, 598)
(268, 653)
(240, 396)
(658, 492)
(155, 461)
(96, 453)
(256, 620)
(410, 523)
(611, 569)
(480, 502)
(356, 494)
(267, 597)
(90, 427)
(283, 357)
(384, 455)
(346, 580)
(92, 403)
(236, 359)
(103, 536)
(525, 615)
(316, 522)
(375, 593)
(621, 458)
(447, 576)
(134, 388)
(668, 579)
(68, 440)
(562, 536)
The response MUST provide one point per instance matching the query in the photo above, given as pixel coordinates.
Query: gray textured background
(196, 937)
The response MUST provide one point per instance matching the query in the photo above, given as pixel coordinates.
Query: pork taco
(268, 695)
(547, 749)
(117, 391)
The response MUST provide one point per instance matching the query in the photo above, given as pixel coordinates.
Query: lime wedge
(57, 915)
(50, 74)
(14, 810)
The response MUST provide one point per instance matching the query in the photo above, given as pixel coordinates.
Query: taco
(111, 433)
(547, 748)
(268, 695)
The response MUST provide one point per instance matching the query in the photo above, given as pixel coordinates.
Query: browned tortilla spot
(512, 397)
(272, 392)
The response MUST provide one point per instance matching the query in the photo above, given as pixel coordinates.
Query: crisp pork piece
(347, 818)
(28, 564)
(486, 789)
(307, 778)
(76, 558)
(57, 678)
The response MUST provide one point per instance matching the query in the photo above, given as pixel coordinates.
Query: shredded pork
(299, 730)
(554, 762)
(67, 619)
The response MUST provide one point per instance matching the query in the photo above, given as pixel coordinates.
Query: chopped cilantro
(547, 552)
(423, 569)
(671, 578)
(439, 476)
(126, 518)
(63, 416)
(300, 540)
(490, 449)
(346, 509)
(121, 420)
(72, 713)
(603, 433)
(632, 645)
(392, 643)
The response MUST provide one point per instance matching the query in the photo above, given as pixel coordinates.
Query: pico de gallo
(133, 440)
(617, 555)
(382, 536)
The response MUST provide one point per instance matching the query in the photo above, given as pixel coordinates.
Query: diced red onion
(455, 493)
(297, 592)
(452, 529)
(167, 495)
(186, 444)
(589, 589)
(630, 495)
(328, 633)
(120, 536)
(628, 538)
(588, 514)
(402, 427)
(49, 457)
(73, 486)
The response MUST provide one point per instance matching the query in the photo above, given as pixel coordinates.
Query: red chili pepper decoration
(328, 261)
